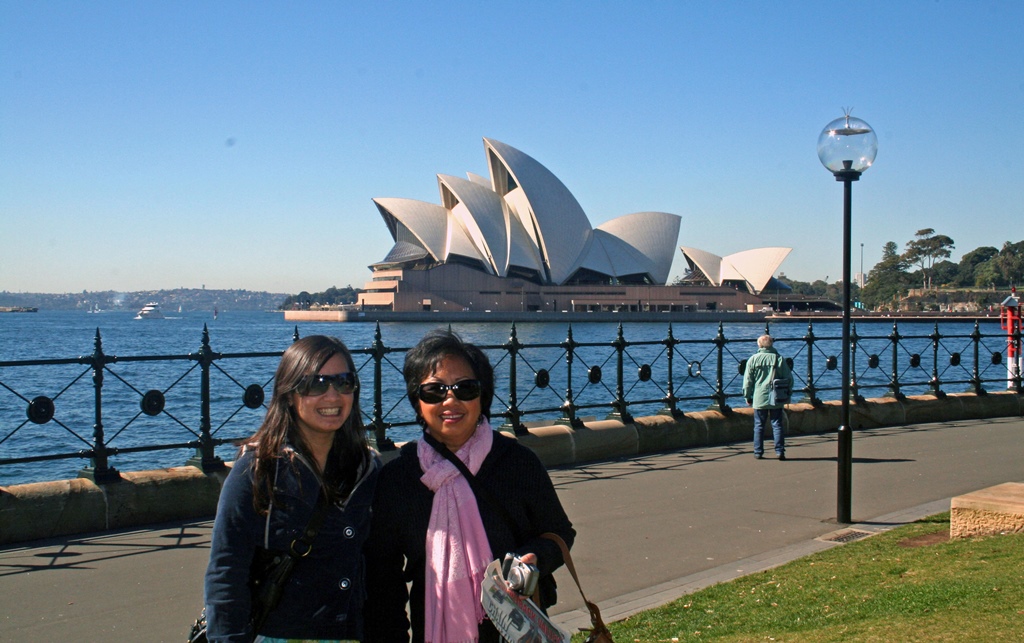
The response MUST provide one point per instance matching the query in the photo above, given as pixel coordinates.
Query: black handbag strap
(278, 575)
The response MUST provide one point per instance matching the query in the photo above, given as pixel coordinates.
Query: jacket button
(344, 583)
(349, 532)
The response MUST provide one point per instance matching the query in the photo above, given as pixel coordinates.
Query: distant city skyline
(239, 145)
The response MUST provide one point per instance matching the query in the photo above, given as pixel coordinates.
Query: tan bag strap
(595, 613)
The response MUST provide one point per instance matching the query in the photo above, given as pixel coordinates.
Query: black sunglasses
(315, 385)
(435, 392)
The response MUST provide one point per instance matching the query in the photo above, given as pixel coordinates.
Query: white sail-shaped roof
(425, 222)
(754, 267)
(522, 251)
(479, 180)
(525, 223)
(482, 214)
(653, 235)
(623, 259)
(561, 226)
(707, 263)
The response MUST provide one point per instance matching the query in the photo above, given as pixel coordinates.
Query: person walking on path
(764, 366)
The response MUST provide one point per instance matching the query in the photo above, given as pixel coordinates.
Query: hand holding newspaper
(516, 617)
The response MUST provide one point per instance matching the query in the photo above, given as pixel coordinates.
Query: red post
(1009, 320)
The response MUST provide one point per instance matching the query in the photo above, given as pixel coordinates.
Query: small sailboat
(214, 313)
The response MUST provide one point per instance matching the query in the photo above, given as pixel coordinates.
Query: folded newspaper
(517, 618)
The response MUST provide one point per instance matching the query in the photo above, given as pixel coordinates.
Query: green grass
(908, 584)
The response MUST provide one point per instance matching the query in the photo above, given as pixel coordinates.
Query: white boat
(150, 311)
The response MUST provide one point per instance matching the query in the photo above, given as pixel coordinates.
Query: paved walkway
(651, 529)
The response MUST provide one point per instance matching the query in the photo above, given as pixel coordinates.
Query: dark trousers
(762, 417)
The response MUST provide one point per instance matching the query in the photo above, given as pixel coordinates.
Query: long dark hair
(422, 360)
(280, 428)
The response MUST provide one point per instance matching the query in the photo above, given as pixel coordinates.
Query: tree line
(333, 296)
(924, 266)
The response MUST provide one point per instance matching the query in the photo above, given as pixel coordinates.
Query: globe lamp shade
(847, 143)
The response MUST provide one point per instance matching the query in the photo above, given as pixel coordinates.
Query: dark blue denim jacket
(325, 593)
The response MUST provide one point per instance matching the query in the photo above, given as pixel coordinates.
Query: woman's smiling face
(451, 421)
(320, 416)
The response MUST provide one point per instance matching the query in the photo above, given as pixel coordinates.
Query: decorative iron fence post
(811, 390)
(976, 373)
(719, 395)
(380, 427)
(894, 384)
(670, 398)
(568, 406)
(935, 384)
(99, 470)
(620, 405)
(513, 423)
(205, 458)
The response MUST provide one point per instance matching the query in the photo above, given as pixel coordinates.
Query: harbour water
(49, 335)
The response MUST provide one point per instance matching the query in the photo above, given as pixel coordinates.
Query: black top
(323, 597)
(396, 547)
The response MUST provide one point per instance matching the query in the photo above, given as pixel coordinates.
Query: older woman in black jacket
(429, 527)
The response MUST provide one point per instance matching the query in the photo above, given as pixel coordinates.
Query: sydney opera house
(519, 241)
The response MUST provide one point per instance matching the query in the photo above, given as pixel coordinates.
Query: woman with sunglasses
(431, 527)
(310, 456)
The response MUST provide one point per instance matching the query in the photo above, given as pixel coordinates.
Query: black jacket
(396, 548)
(323, 597)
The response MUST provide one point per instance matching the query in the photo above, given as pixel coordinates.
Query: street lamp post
(846, 147)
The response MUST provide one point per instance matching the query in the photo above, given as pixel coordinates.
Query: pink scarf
(457, 546)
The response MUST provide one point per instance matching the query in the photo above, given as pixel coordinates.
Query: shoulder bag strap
(277, 576)
(479, 491)
(595, 613)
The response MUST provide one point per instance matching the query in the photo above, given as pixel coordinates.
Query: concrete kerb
(64, 507)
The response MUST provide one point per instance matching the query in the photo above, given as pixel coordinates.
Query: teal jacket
(757, 377)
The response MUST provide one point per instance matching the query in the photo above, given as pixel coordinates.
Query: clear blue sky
(148, 145)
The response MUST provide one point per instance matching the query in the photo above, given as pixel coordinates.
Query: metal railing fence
(145, 403)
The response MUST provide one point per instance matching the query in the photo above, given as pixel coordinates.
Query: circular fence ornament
(915, 360)
(873, 361)
(152, 402)
(40, 410)
(644, 372)
(594, 374)
(997, 359)
(253, 396)
(693, 369)
(742, 367)
(954, 359)
(542, 378)
(830, 362)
